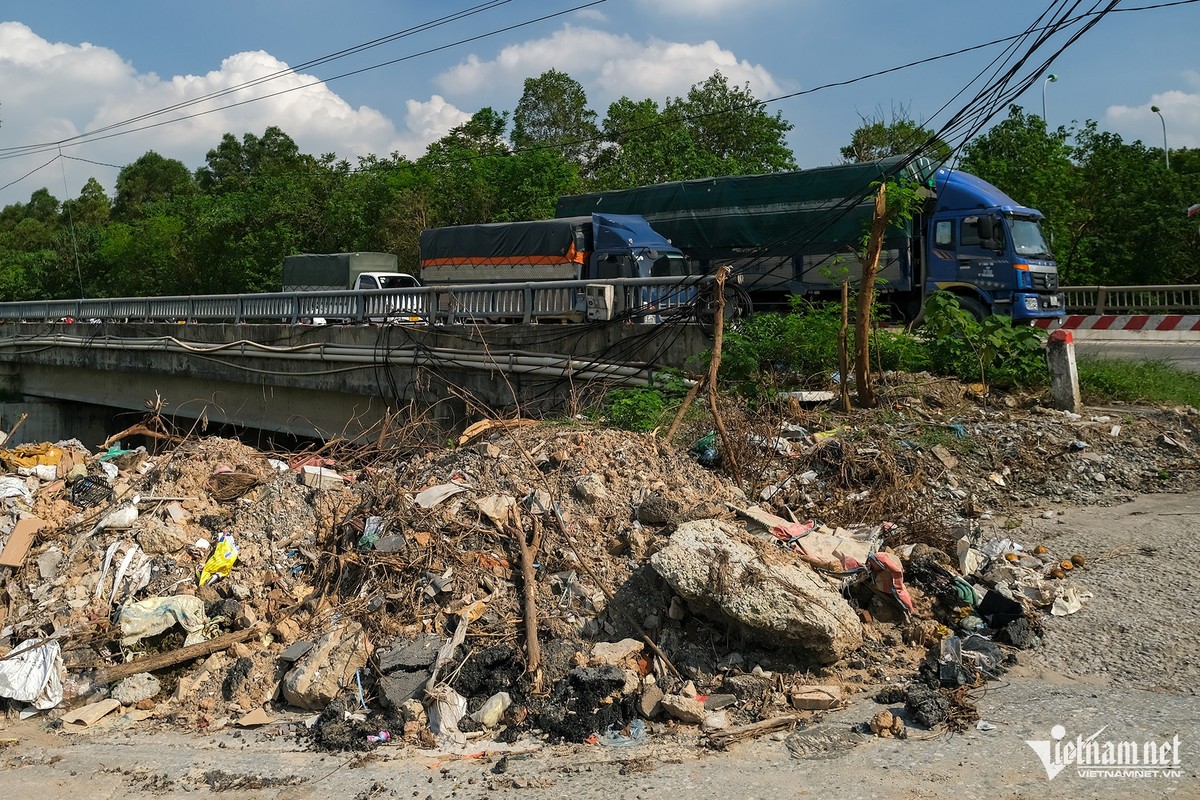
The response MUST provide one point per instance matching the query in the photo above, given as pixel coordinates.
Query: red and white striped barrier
(1168, 327)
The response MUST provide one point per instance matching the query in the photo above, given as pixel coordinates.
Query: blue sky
(72, 66)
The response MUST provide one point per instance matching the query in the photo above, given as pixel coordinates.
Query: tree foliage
(876, 139)
(553, 112)
(1115, 212)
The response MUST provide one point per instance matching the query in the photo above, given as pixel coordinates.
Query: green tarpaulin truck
(796, 233)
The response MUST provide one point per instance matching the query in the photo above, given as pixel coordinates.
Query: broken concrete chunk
(684, 709)
(487, 450)
(656, 509)
(320, 478)
(780, 602)
(135, 689)
(325, 670)
(164, 537)
(948, 459)
(590, 488)
(649, 705)
(747, 687)
(47, 563)
(816, 698)
(418, 653)
(616, 653)
(400, 688)
(715, 702)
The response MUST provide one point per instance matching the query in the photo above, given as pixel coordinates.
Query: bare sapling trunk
(866, 300)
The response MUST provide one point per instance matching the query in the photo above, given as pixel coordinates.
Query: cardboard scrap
(20, 540)
(89, 715)
(948, 459)
(254, 719)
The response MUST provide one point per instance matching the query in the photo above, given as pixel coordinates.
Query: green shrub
(635, 409)
(772, 352)
(994, 351)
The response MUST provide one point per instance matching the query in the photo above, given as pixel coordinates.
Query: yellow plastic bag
(221, 561)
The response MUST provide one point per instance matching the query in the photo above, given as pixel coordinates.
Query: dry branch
(162, 660)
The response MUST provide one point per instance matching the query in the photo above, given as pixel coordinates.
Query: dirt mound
(462, 592)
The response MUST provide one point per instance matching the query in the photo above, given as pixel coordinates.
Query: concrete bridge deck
(337, 380)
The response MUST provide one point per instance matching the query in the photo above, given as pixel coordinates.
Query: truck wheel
(973, 307)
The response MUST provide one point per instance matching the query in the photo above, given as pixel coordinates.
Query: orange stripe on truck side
(572, 256)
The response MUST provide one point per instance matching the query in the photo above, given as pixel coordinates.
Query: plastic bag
(35, 675)
(154, 615)
(705, 450)
(221, 561)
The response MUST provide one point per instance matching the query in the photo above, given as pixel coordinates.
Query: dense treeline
(1116, 212)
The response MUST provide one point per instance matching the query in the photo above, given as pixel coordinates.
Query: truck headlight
(1031, 304)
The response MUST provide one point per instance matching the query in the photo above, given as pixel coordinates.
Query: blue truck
(593, 247)
(797, 233)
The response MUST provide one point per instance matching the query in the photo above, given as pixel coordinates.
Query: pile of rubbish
(551, 580)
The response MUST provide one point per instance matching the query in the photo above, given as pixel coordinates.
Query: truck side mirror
(987, 228)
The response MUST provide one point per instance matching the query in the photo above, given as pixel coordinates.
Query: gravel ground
(1126, 663)
(1142, 629)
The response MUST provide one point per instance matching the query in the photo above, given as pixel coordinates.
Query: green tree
(150, 179)
(876, 139)
(1136, 231)
(466, 168)
(642, 146)
(716, 129)
(731, 129)
(553, 111)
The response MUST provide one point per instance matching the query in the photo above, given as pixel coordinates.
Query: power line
(91, 137)
(425, 26)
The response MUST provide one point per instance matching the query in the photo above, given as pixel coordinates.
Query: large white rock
(773, 596)
(326, 670)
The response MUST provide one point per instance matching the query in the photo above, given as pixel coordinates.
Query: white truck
(329, 272)
(332, 272)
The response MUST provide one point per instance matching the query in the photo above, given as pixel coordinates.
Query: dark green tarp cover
(547, 237)
(505, 239)
(789, 212)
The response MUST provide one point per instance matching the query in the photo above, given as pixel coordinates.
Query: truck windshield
(1027, 238)
(667, 265)
(396, 282)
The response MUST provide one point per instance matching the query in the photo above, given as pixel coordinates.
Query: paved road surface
(1184, 355)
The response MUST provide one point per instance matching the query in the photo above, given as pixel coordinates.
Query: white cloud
(54, 91)
(431, 120)
(1180, 112)
(609, 66)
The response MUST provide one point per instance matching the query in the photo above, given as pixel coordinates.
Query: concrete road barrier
(1129, 327)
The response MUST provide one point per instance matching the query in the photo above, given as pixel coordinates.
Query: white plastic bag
(35, 675)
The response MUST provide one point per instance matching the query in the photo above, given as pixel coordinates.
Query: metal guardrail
(1132, 299)
(484, 303)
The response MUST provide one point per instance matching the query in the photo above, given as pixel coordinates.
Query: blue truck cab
(990, 250)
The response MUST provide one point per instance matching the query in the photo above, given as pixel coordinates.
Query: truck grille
(1045, 280)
